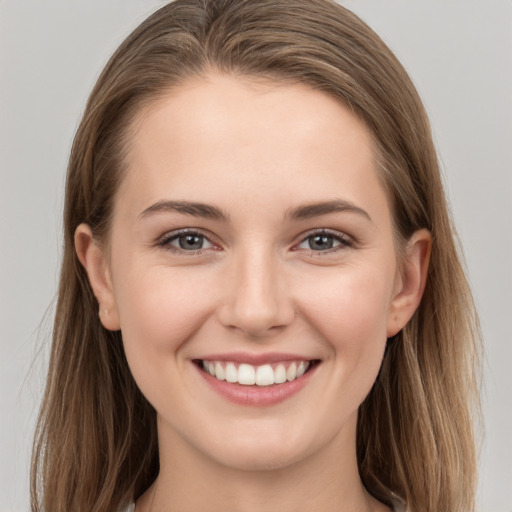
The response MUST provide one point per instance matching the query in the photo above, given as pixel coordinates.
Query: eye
(185, 241)
(323, 241)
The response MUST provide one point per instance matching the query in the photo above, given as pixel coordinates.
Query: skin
(255, 150)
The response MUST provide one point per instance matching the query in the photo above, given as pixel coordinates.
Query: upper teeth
(248, 375)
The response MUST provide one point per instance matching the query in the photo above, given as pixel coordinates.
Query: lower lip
(259, 396)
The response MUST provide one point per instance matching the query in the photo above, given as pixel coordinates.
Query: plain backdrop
(459, 54)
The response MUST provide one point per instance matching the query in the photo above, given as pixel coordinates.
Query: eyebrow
(212, 212)
(188, 208)
(323, 208)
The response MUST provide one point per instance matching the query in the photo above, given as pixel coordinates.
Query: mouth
(265, 375)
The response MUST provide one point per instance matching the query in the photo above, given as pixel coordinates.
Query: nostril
(256, 323)
(256, 303)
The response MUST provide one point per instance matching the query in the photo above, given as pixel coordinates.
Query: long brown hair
(96, 444)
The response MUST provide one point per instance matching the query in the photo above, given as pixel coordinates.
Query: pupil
(319, 242)
(191, 241)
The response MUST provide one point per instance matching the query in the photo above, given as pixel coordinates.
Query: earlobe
(411, 283)
(93, 259)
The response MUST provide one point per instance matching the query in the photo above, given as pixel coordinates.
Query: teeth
(231, 373)
(219, 371)
(301, 369)
(264, 375)
(280, 374)
(248, 375)
(291, 373)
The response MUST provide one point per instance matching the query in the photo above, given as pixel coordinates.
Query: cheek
(351, 317)
(159, 311)
(350, 312)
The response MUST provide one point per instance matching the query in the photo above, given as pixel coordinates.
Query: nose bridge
(257, 299)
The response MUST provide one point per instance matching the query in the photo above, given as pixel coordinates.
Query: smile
(249, 375)
(268, 381)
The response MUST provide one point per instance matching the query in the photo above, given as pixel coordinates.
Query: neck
(326, 481)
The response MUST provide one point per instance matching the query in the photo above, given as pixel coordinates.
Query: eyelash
(165, 241)
(344, 241)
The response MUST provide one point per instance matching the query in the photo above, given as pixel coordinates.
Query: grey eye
(191, 242)
(188, 242)
(320, 242)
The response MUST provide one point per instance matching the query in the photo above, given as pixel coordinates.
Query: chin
(260, 451)
(258, 458)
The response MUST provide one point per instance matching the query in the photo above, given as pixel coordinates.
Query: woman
(261, 302)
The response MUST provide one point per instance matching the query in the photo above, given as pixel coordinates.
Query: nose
(256, 299)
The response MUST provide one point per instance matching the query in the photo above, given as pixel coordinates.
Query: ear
(92, 257)
(410, 282)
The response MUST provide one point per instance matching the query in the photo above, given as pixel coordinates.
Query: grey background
(459, 54)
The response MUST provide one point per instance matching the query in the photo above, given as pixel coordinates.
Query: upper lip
(255, 359)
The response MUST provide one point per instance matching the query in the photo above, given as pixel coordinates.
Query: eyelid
(345, 240)
(164, 240)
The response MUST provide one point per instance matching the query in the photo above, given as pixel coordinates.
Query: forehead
(213, 138)
(249, 110)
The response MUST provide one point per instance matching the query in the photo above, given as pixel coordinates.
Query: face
(252, 239)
